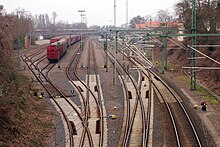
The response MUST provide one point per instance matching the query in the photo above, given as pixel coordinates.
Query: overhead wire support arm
(166, 35)
(162, 34)
(142, 30)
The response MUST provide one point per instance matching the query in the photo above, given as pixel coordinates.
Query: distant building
(181, 31)
(40, 37)
(156, 24)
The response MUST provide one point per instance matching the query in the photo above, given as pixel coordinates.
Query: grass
(184, 79)
(200, 91)
(170, 66)
(159, 65)
(206, 95)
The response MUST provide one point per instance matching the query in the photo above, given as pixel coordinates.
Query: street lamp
(81, 44)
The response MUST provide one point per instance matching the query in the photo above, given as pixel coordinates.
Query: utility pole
(116, 49)
(163, 53)
(114, 71)
(166, 52)
(193, 52)
(152, 50)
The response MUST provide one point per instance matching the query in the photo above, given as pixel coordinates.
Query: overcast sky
(98, 12)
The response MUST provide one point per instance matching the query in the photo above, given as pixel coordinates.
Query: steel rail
(38, 52)
(168, 108)
(127, 99)
(76, 58)
(145, 121)
(138, 98)
(99, 98)
(63, 113)
(183, 108)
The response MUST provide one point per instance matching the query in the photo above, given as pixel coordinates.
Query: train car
(55, 39)
(74, 39)
(54, 52)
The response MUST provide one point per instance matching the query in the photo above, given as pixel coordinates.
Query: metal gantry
(164, 36)
(193, 52)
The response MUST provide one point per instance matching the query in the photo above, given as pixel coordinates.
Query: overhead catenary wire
(204, 55)
(178, 44)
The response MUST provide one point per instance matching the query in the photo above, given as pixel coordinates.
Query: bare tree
(207, 16)
(136, 20)
(164, 16)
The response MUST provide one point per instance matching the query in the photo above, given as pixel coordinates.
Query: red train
(54, 52)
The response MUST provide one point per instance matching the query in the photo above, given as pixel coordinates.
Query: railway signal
(81, 46)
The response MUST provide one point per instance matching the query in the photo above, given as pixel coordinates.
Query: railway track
(76, 81)
(182, 125)
(86, 125)
(93, 96)
(39, 50)
(184, 130)
(135, 131)
(59, 98)
(65, 106)
(90, 96)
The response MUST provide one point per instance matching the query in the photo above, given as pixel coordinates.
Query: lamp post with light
(81, 44)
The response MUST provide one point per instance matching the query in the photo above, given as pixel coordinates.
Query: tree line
(207, 16)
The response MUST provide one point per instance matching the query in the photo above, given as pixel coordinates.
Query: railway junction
(110, 94)
(118, 87)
